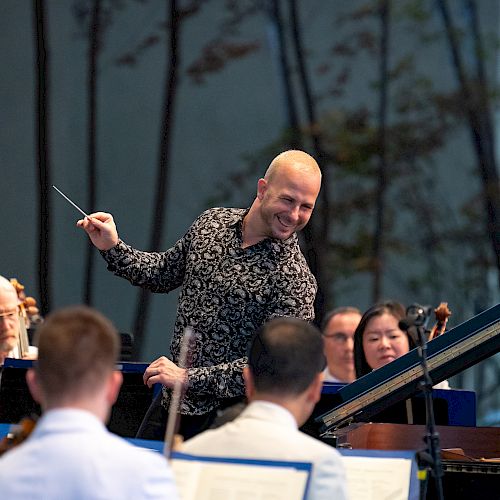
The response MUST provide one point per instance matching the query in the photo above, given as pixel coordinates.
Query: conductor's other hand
(165, 372)
(101, 229)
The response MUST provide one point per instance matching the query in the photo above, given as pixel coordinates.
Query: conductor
(237, 268)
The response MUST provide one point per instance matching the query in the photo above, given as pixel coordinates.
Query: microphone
(416, 315)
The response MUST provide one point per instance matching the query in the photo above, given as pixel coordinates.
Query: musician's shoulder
(221, 215)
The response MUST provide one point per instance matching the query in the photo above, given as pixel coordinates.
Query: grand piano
(370, 412)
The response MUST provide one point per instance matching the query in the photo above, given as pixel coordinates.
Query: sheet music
(368, 478)
(212, 480)
(375, 478)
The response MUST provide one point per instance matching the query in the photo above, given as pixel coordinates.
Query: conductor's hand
(165, 372)
(101, 229)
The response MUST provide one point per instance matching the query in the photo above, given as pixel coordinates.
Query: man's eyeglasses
(339, 337)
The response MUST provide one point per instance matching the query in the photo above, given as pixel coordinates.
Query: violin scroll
(442, 313)
(27, 304)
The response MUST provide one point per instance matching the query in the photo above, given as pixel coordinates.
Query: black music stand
(127, 413)
(415, 324)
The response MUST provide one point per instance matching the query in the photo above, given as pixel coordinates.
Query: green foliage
(422, 116)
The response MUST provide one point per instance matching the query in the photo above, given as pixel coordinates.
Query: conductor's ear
(261, 188)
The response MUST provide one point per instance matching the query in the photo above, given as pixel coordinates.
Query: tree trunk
(477, 111)
(93, 53)
(293, 127)
(296, 140)
(162, 175)
(378, 237)
(492, 184)
(43, 158)
(317, 232)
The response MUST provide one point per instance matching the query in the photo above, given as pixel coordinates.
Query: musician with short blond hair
(71, 454)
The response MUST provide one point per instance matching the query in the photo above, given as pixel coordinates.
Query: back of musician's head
(77, 350)
(285, 355)
(391, 307)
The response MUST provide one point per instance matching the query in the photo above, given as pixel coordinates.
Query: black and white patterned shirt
(227, 293)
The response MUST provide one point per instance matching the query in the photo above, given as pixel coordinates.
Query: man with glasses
(10, 326)
(338, 330)
(9, 320)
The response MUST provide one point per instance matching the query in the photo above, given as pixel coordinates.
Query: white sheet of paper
(375, 478)
(201, 480)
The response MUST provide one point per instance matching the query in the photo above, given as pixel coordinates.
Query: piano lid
(452, 352)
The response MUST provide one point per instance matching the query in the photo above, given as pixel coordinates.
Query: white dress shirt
(328, 377)
(71, 455)
(32, 352)
(267, 431)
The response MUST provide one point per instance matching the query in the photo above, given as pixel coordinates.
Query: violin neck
(23, 340)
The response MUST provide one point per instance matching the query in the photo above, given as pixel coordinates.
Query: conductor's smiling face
(287, 201)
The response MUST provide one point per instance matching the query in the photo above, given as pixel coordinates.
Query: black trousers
(154, 423)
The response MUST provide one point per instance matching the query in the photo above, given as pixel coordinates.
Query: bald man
(9, 320)
(10, 326)
(237, 269)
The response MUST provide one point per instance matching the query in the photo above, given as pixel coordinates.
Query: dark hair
(388, 307)
(338, 310)
(285, 355)
(77, 348)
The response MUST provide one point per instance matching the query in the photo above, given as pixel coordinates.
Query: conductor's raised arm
(101, 229)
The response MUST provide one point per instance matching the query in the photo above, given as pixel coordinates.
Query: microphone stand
(430, 458)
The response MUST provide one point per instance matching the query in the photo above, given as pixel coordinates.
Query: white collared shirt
(328, 377)
(71, 454)
(268, 431)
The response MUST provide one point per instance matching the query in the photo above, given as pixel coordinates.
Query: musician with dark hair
(283, 382)
(378, 340)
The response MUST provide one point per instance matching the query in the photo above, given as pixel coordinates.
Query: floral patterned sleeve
(222, 381)
(157, 271)
(295, 290)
